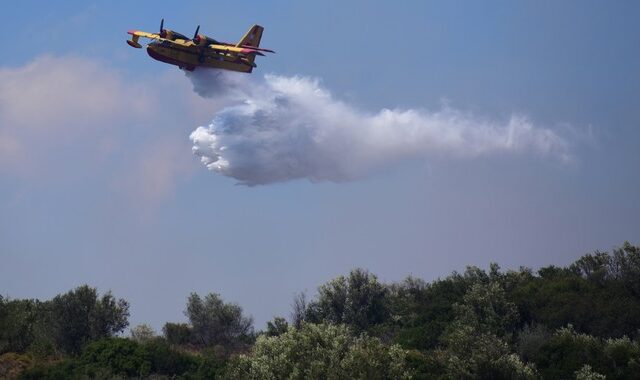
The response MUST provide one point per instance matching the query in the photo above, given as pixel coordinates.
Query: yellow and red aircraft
(202, 51)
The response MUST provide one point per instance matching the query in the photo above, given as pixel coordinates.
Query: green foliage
(124, 358)
(358, 300)
(421, 312)
(477, 340)
(567, 352)
(277, 327)
(178, 334)
(299, 309)
(531, 339)
(12, 364)
(211, 365)
(580, 322)
(63, 324)
(163, 359)
(589, 294)
(214, 322)
(142, 333)
(21, 324)
(586, 373)
(622, 358)
(121, 356)
(80, 316)
(59, 370)
(427, 365)
(320, 352)
(485, 308)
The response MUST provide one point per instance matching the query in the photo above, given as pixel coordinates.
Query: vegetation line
(580, 321)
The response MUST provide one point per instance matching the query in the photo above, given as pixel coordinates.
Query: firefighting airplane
(202, 51)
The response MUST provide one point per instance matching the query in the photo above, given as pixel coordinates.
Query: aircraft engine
(170, 34)
(202, 40)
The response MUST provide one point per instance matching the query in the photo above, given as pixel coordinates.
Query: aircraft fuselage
(190, 57)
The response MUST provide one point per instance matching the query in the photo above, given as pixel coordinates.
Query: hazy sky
(98, 183)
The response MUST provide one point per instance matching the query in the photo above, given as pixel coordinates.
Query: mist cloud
(53, 102)
(286, 128)
(69, 117)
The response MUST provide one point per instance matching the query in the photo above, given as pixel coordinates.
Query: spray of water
(284, 128)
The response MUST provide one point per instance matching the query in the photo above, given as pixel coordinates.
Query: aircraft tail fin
(252, 37)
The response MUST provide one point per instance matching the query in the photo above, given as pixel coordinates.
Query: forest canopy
(581, 321)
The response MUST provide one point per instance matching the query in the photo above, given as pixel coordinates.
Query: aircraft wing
(234, 49)
(139, 33)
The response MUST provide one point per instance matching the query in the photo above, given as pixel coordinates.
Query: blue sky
(98, 184)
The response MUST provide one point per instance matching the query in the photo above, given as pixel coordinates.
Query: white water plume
(285, 128)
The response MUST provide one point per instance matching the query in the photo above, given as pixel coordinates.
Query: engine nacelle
(171, 35)
(202, 40)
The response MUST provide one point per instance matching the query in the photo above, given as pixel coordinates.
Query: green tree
(116, 358)
(421, 312)
(18, 324)
(586, 373)
(81, 316)
(531, 339)
(299, 309)
(142, 333)
(622, 358)
(358, 300)
(486, 309)
(179, 334)
(477, 340)
(320, 351)
(215, 322)
(589, 294)
(277, 326)
(567, 352)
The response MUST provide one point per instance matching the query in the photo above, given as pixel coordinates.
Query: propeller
(196, 37)
(163, 33)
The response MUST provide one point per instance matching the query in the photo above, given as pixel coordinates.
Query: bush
(142, 333)
(586, 373)
(12, 364)
(359, 301)
(80, 316)
(319, 352)
(59, 370)
(567, 352)
(120, 356)
(531, 339)
(215, 322)
(177, 333)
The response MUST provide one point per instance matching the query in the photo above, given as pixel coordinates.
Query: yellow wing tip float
(133, 42)
(174, 48)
